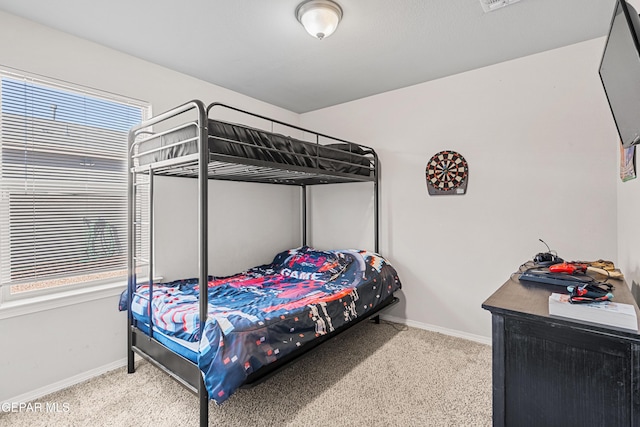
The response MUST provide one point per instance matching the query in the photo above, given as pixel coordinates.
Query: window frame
(17, 303)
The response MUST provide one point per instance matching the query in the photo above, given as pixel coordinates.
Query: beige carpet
(372, 375)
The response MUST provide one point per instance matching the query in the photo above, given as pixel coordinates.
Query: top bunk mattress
(233, 143)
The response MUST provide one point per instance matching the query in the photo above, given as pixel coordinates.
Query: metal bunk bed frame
(205, 165)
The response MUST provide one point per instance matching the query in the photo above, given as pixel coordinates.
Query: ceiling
(258, 48)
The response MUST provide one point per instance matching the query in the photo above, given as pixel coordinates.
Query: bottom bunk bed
(259, 319)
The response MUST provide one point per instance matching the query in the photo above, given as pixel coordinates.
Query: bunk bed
(240, 329)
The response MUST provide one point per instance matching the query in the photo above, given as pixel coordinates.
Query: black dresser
(550, 371)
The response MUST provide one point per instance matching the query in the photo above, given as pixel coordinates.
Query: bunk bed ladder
(135, 260)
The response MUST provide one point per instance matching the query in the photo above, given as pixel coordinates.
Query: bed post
(130, 248)
(203, 241)
(303, 204)
(376, 204)
(376, 215)
(150, 264)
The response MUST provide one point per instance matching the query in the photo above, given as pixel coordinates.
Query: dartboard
(447, 173)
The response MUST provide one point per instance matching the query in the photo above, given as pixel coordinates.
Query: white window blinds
(63, 184)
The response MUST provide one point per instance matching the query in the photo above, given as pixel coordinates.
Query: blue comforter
(265, 313)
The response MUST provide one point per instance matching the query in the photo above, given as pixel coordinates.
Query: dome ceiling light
(319, 17)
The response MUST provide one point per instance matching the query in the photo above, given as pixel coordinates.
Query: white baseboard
(452, 332)
(68, 382)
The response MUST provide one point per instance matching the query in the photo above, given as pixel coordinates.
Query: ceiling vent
(491, 5)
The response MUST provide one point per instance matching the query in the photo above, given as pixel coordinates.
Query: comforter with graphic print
(267, 312)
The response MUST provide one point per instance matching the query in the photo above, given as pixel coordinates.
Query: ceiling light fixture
(319, 17)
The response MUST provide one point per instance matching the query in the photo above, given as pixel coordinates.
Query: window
(63, 206)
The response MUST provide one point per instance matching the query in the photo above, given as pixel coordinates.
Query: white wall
(51, 346)
(628, 230)
(542, 155)
(240, 214)
(629, 233)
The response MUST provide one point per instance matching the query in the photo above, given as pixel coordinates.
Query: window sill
(51, 301)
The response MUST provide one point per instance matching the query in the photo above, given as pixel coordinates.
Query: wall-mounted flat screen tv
(620, 72)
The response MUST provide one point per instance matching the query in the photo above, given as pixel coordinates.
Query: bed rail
(262, 156)
(275, 121)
